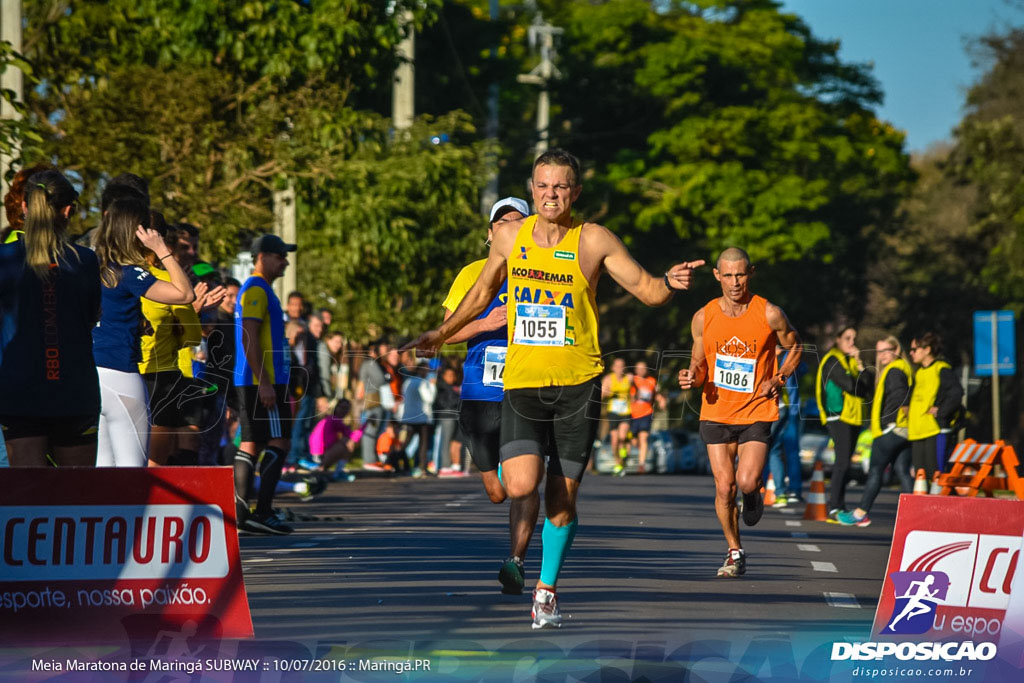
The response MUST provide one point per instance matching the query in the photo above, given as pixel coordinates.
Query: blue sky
(918, 51)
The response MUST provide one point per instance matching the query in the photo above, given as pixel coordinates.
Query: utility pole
(490, 193)
(542, 35)
(284, 227)
(11, 79)
(404, 88)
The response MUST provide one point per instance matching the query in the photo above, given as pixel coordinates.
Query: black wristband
(667, 285)
(161, 258)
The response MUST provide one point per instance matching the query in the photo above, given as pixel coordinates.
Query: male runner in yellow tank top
(552, 262)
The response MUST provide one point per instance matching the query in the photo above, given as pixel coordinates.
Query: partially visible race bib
(735, 374)
(494, 366)
(539, 325)
(620, 406)
(644, 395)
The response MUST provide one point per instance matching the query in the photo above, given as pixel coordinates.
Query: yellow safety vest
(926, 388)
(851, 413)
(876, 406)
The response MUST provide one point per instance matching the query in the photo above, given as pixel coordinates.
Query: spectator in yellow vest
(934, 406)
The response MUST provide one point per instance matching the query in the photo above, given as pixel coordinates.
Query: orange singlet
(741, 355)
(643, 391)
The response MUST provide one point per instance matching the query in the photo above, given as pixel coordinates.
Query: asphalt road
(407, 568)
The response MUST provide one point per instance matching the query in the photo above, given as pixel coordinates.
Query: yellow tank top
(619, 402)
(552, 315)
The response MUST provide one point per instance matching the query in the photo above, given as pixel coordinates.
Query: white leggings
(124, 420)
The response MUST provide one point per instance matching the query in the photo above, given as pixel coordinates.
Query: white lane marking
(453, 505)
(824, 567)
(790, 522)
(798, 534)
(789, 511)
(807, 548)
(841, 600)
(258, 559)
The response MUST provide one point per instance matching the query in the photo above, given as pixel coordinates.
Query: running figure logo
(917, 595)
(522, 252)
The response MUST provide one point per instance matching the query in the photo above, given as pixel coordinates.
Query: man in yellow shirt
(552, 262)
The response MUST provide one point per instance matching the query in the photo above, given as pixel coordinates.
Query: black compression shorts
(566, 417)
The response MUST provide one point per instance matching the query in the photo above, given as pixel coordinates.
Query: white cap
(514, 203)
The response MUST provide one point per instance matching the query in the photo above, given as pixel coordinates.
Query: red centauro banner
(951, 568)
(100, 554)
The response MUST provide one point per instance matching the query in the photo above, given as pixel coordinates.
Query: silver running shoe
(545, 609)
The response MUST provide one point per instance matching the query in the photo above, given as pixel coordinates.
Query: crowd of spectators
(118, 348)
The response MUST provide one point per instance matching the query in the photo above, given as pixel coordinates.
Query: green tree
(725, 122)
(219, 104)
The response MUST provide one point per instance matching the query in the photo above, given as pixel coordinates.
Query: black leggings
(844, 436)
(426, 433)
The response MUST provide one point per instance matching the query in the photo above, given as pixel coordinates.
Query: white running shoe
(545, 609)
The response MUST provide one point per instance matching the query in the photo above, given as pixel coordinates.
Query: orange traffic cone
(817, 509)
(935, 489)
(769, 492)
(920, 484)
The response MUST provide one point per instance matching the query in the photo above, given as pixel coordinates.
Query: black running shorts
(63, 431)
(260, 424)
(169, 393)
(566, 417)
(481, 423)
(719, 432)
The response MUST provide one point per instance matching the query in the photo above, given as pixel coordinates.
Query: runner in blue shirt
(482, 393)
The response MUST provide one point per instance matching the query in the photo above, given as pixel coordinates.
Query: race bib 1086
(539, 325)
(735, 374)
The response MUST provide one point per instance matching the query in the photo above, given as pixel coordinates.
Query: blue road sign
(1005, 342)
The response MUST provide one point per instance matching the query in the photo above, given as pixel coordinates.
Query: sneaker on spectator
(780, 502)
(735, 564)
(545, 609)
(432, 469)
(417, 473)
(375, 467)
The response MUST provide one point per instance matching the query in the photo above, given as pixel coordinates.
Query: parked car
(815, 445)
(669, 452)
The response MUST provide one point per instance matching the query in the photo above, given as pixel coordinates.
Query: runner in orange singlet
(644, 392)
(734, 340)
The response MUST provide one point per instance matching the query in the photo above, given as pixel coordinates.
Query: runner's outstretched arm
(633, 277)
(478, 297)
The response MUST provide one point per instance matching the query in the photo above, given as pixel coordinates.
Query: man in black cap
(261, 383)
